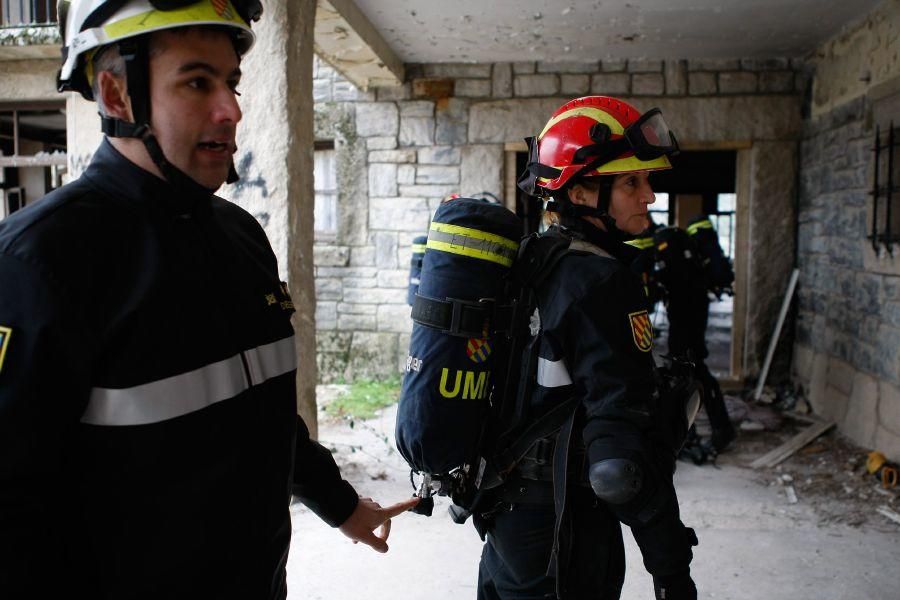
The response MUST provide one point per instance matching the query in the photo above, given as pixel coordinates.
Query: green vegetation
(365, 398)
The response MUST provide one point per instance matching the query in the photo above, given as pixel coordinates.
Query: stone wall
(847, 348)
(400, 150)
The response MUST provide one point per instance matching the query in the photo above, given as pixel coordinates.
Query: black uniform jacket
(596, 345)
(595, 336)
(147, 397)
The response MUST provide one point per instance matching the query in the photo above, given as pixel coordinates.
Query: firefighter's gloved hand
(679, 586)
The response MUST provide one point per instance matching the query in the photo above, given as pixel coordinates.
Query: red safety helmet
(593, 136)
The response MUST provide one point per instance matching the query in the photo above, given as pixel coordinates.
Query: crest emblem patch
(478, 349)
(641, 330)
(5, 334)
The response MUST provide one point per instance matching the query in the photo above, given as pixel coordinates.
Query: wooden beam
(347, 40)
(787, 449)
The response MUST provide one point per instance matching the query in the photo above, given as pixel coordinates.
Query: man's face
(194, 109)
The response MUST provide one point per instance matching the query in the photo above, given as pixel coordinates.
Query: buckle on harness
(460, 316)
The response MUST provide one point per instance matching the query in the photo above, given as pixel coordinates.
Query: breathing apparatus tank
(445, 395)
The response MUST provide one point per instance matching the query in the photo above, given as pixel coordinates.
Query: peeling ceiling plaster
(433, 31)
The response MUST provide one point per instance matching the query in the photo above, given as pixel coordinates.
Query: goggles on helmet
(649, 137)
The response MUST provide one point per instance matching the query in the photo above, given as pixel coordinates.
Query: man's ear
(114, 96)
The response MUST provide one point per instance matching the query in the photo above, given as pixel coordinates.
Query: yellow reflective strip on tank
(472, 243)
(693, 227)
(640, 243)
(586, 111)
(418, 248)
(201, 13)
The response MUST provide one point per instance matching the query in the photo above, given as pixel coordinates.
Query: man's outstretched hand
(368, 516)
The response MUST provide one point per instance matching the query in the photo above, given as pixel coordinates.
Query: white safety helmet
(86, 25)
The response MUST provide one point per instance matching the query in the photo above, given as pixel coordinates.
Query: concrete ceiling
(432, 31)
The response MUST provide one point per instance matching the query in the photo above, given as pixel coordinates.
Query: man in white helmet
(149, 442)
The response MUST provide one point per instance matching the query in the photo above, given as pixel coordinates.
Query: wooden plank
(784, 451)
(884, 510)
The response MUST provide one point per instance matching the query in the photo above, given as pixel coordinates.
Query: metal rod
(875, 192)
(773, 342)
(15, 133)
(887, 219)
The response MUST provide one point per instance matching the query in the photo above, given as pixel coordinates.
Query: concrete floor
(753, 544)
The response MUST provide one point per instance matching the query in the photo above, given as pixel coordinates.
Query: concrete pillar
(275, 162)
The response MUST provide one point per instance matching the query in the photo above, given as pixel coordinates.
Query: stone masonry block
(322, 90)
(439, 155)
(357, 283)
(433, 191)
(452, 116)
(416, 108)
(714, 64)
(406, 174)
(889, 406)
(392, 156)
(776, 81)
(328, 288)
(346, 272)
(416, 131)
(356, 322)
(394, 317)
(482, 168)
(501, 80)
(429, 174)
(567, 67)
(765, 64)
(377, 119)
(326, 315)
(647, 84)
(385, 250)
(396, 278)
(536, 85)
(458, 70)
(331, 256)
(383, 180)
(702, 84)
(861, 422)
(375, 296)
(737, 82)
(473, 88)
(394, 92)
(644, 65)
(611, 84)
(613, 66)
(676, 77)
(523, 68)
(398, 214)
(574, 84)
(356, 309)
(362, 256)
(372, 356)
(381, 143)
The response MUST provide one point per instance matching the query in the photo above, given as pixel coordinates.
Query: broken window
(32, 152)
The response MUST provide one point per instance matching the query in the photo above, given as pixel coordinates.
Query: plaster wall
(401, 150)
(33, 79)
(846, 351)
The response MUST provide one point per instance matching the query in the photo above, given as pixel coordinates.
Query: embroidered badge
(478, 350)
(641, 330)
(5, 334)
(222, 8)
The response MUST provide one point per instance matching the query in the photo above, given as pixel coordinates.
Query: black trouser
(519, 542)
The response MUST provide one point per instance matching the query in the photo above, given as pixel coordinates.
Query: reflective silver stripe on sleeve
(552, 373)
(189, 392)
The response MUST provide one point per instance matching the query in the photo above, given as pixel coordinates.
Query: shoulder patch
(5, 334)
(641, 330)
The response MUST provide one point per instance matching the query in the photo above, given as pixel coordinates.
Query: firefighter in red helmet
(554, 529)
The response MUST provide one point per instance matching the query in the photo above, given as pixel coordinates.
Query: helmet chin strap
(568, 209)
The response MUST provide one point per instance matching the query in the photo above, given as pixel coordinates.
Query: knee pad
(616, 480)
